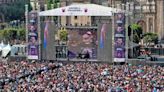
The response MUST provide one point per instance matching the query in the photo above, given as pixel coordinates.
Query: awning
(6, 50)
(79, 9)
(2, 45)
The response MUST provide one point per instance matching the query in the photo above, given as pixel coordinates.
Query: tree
(149, 38)
(137, 32)
(21, 34)
(55, 5)
(10, 34)
(63, 34)
(15, 10)
(55, 2)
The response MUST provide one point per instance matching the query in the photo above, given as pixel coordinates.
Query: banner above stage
(79, 9)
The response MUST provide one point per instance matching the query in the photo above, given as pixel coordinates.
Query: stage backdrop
(119, 38)
(48, 29)
(105, 41)
(82, 40)
(33, 46)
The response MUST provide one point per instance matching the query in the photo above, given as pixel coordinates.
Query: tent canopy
(2, 45)
(6, 50)
(79, 9)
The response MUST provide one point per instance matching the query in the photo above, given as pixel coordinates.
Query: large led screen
(82, 41)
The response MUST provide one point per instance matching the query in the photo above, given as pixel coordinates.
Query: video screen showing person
(33, 50)
(120, 30)
(119, 53)
(120, 19)
(120, 42)
(33, 40)
(33, 19)
(82, 41)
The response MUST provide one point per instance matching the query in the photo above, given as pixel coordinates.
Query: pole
(26, 15)
(39, 32)
(132, 8)
(140, 9)
(35, 5)
(127, 23)
(52, 7)
(113, 36)
(59, 23)
(45, 50)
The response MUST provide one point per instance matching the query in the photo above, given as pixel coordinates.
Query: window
(75, 17)
(76, 24)
(88, 23)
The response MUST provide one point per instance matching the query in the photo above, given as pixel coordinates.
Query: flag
(102, 35)
(45, 34)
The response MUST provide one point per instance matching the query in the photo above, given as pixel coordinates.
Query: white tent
(79, 9)
(2, 45)
(6, 50)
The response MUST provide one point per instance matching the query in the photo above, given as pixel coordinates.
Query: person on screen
(120, 30)
(33, 40)
(86, 39)
(120, 54)
(33, 50)
(90, 36)
(87, 51)
(32, 28)
(120, 19)
(119, 42)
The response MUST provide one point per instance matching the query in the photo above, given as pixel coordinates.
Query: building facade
(74, 20)
(148, 13)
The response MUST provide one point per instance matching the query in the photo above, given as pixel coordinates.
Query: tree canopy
(10, 34)
(55, 2)
(15, 10)
(137, 32)
(63, 33)
(150, 38)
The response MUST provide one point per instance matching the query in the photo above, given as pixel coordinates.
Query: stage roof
(79, 9)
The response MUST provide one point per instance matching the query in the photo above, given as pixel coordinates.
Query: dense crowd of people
(80, 77)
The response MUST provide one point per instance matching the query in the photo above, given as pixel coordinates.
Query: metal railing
(156, 51)
(61, 51)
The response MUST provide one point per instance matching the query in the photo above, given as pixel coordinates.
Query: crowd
(81, 77)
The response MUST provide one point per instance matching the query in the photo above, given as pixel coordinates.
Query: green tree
(63, 34)
(15, 10)
(21, 34)
(137, 32)
(10, 34)
(55, 2)
(150, 38)
(55, 5)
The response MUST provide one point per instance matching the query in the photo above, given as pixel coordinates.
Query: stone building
(74, 20)
(148, 13)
